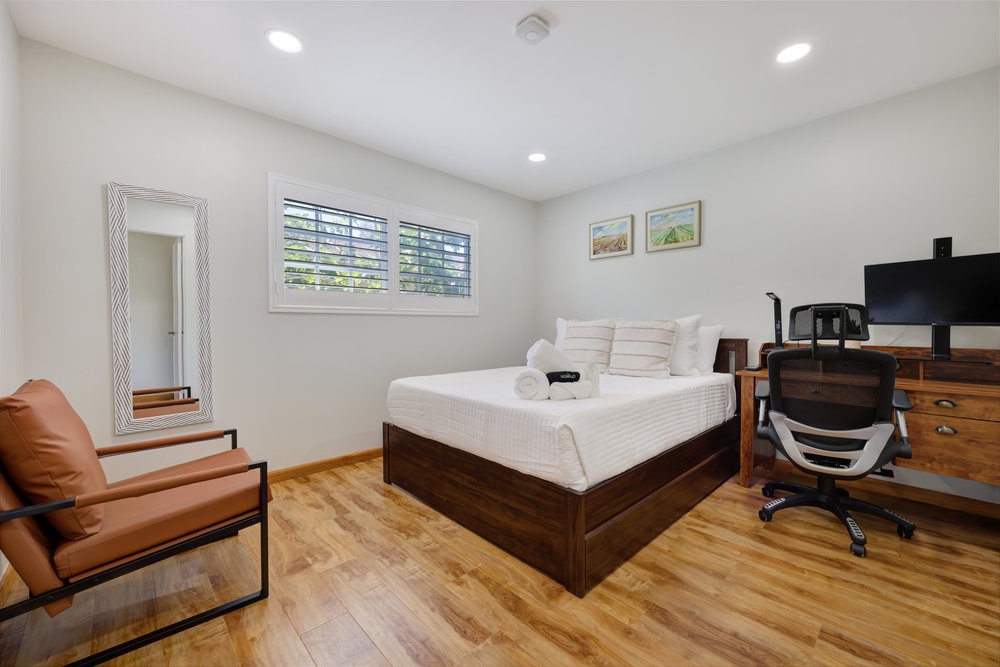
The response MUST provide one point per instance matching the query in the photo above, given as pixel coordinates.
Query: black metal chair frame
(216, 534)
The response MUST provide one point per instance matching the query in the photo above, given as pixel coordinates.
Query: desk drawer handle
(946, 430)
(945, 403)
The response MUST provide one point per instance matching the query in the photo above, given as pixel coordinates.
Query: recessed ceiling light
(537, 157)
(794, 52)
(284, 41)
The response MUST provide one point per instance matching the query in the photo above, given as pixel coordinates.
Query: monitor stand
(940, 341)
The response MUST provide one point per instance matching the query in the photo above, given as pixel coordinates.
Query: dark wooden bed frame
(576, 537)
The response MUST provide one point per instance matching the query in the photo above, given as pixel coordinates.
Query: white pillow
(708, 345)
(588, 341)
(642, 348)
(685, 355)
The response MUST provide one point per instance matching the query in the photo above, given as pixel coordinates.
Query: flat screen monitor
(942, 292)
(962, 291)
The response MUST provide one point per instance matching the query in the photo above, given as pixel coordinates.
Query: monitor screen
(948, 290)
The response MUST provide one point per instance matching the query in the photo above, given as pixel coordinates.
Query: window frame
(395, 302)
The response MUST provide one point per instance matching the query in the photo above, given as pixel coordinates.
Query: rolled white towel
(532, 385)
(544, 356)
(562, 391)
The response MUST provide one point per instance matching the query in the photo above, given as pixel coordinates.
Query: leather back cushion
(48, 454)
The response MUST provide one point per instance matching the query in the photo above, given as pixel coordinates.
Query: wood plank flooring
(362, 574)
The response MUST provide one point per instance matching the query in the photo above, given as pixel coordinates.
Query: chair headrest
(829, 321)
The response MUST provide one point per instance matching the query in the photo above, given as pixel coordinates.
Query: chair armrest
(35, 510)
(144, 488)
(146, 405)
(762, 390)
(762, 393)
(162, 390)
(901, 404)
(144, 445)
(131, 490)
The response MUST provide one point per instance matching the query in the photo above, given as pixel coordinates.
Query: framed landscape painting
(611, 238)
(674, 227)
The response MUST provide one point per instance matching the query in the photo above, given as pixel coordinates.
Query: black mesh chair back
(839, 401)
(849, 392)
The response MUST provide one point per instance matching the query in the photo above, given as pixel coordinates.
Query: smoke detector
(532, 30)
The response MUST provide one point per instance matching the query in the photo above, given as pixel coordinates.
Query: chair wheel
(767, 492)
(904, 532)
(764, 515)
(859, 550)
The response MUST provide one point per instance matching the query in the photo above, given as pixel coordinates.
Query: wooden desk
(754, 451)
(954, 426)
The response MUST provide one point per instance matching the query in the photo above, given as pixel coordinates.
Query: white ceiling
(616, 89)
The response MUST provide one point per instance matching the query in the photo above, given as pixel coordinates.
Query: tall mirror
(160, 308)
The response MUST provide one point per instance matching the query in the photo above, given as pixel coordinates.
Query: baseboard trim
(324, 464)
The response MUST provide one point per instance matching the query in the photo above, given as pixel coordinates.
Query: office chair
(831, 415)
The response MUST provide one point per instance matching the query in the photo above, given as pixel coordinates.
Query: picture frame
(611, 238)
(674, 227)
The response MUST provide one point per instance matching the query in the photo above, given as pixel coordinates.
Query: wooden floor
(362, 574)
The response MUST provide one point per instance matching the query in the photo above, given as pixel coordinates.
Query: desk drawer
(952, 405)
(969, 451)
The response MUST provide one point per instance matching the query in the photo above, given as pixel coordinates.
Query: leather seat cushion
(134, 525)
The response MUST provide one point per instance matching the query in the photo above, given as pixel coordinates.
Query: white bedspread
(572, 443)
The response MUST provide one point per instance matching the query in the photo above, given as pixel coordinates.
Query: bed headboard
(731, 355)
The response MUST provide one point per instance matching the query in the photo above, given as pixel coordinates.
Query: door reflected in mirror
(160, 309)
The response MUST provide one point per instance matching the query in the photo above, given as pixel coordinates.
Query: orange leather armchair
(65, 529)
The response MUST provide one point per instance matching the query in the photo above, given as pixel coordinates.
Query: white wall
(10, 212)
(798, 212)
(299, 388)
(11, 372)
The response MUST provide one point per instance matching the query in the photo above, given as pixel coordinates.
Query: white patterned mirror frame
(125, 420)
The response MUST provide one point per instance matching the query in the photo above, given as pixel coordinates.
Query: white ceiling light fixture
(284, 41)
(532, 30)
(537, 157)
(794, 52)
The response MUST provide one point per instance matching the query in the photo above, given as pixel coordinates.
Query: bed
(576, 536)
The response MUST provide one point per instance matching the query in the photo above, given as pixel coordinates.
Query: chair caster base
(830, 497)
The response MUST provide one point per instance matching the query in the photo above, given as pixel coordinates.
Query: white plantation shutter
(330, 249)
(434, 261)
(337, 251)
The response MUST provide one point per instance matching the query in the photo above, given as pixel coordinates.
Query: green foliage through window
(434, 261)
(330, 249)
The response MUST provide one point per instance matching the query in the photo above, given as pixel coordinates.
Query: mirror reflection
(160, 311)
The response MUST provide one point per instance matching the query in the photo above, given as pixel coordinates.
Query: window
(434, 261)
(337, 251)
(330, 249)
